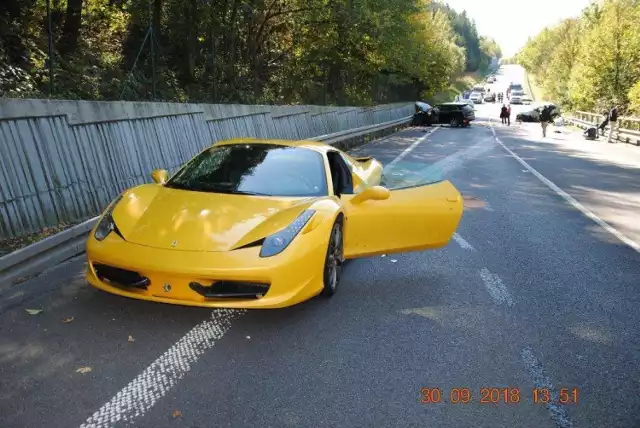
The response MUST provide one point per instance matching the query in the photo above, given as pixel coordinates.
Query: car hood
(162, 217)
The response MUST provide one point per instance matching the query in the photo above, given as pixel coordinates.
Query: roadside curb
(32, 260)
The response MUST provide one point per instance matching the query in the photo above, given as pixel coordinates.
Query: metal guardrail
(32, 260)
(627, 129)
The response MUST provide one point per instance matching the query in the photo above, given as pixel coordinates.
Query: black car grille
(230, 289)
(121, 277)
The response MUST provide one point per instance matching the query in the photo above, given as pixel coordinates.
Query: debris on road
(83, 370)
(33, 311)
(130, 339)
(68, 320)
(176, 413)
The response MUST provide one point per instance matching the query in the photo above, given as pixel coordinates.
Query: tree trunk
(72, 26)
(157, 18)
(230, 76)
(192, 38)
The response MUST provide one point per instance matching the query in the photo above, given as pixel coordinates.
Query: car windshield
(254, 169)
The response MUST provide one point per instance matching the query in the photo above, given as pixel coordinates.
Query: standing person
(508, 114)
(613, 119)
(545, 118)
(503, 114)
(604, 123)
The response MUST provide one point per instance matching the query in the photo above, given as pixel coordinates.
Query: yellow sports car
(253, 223)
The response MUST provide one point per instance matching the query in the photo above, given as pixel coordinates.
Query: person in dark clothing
(503, 114)
(603, 124)
(613, 119)
(509, 115)
(591, 133)
(545, 119)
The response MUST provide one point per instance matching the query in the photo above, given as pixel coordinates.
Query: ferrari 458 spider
(253, 223)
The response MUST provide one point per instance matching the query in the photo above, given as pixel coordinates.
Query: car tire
(455, 122)
(332, 269)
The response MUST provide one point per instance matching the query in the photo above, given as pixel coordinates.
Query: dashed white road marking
(541, 380)
(135, 399)
(462, 242)
(411, 147)
(497, 290)
(564, 195)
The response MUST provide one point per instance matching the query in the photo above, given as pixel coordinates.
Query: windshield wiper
(245, 192)
(210, 187)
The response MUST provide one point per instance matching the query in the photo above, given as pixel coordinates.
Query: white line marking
(156, 380)
(411, 147)
(606, 226)
(462, 242)
(541, 380)
(497, 290)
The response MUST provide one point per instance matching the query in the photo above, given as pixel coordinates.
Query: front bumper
(183, 277)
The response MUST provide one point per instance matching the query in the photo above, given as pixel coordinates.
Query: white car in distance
(477, 97)
(516, 97)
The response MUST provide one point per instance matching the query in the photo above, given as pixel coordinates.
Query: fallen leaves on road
(83, 370)
(33, 311)
(473, 202)
(130, 339)
(68, 320)
(176, 413)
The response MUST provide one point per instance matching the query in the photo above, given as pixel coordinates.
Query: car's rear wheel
(333, 260)
(455, 122)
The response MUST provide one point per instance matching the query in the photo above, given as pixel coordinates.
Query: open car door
(414, 217)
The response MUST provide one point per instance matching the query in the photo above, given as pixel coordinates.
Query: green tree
(238, 51)
(591, 61)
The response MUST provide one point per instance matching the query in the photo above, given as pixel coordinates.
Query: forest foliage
(592, 61)
(341, 52)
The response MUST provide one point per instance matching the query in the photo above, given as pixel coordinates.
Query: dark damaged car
(425, 115)
(533, 115)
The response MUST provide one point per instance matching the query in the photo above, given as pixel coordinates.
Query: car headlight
(276, 243)
(106, 224)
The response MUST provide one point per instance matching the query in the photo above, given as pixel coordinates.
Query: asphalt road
(531, 293)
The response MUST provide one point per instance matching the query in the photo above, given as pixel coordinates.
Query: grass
(537, 92)
(9, 245)
(459, 84)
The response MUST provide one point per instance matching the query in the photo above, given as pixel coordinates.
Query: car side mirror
(160, 176)
(374, 193)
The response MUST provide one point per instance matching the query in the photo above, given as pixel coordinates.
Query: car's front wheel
(455, 122)
(333, 260)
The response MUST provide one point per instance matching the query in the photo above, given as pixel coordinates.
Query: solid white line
(411, 147)
(606, 226)
(541, 380)
(497, 290)
(156, 380)
(462, 242)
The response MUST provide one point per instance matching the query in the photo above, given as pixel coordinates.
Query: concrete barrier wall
(63, 161)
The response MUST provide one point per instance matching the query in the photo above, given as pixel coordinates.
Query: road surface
(531, 294)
